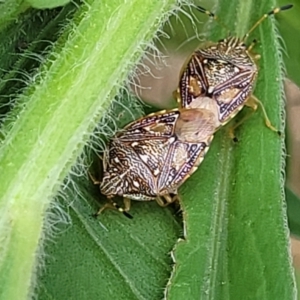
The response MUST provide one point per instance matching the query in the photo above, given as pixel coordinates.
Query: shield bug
(152, 156)
(221, 76)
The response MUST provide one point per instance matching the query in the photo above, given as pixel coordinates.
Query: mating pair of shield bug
(151, 157)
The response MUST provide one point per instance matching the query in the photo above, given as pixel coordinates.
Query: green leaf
(236, 228)
(46, 132)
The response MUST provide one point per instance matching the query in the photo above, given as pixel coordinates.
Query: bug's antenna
(212, 15)
(265, 16)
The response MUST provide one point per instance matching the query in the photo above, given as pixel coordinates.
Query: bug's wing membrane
(194, 131)
(182, 160)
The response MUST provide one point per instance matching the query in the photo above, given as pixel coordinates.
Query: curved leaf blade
(236, 227)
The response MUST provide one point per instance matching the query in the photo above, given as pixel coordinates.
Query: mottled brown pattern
(223, 72)
(154, 155)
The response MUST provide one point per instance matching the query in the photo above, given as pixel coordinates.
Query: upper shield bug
(152, 156)
(221, 76)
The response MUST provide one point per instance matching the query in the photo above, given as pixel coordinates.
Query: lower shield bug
(221, 76)
(152, 156)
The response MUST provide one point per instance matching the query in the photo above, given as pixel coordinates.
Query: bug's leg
(94, 180)
(253, 102)
(115, 206)
(108, 205)
(161, 202)
(255, 56)
(252, 45)
(171, 198)
(174, 198)
(166, 200)
(176, 95)
(124, 211)
(127, 203)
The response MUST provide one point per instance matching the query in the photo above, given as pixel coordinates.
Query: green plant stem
(60, 112)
